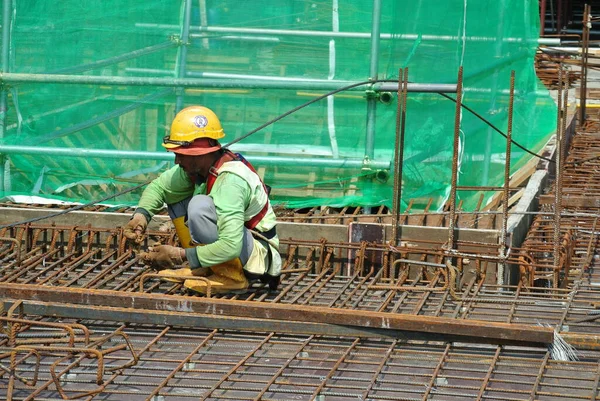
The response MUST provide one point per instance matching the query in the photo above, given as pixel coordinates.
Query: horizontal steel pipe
(331, 34)
(140, 155)
(225, 83)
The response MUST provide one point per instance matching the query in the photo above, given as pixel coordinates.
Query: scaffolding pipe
(350, 35)
(6, 27)
(6, 24)
(499, 51)
(332, 66)
(371, 99)
(390, 86)
(373, 70)
(242, 38)
(265, 83)
(115, 60)
(51, 112)
(204, 22)
(140, 155)
(182, 54)
(102, 118)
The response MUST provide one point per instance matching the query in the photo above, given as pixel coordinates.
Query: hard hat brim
(191, 150)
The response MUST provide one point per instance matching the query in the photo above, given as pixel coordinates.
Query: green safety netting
(96, 84)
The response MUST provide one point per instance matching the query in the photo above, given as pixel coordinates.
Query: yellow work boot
(173, 274)
(227, 277)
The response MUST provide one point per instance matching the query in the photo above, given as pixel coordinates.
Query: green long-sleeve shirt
(231, 195)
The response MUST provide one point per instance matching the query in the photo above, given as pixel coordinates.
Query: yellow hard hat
(193, 123)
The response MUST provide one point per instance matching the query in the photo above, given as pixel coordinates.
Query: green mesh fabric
(252, 61)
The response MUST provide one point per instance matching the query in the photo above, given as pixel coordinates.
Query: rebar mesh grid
(345, 276)
(167, 363)
(579, 226)
(413, 279)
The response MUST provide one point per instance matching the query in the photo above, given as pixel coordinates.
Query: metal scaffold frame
(182, 79)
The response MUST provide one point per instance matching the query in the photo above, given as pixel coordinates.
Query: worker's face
(194, 165)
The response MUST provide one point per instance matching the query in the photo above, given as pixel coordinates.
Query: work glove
(136, 228)
(162, 257)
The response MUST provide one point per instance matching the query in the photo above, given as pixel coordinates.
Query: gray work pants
(201, 219)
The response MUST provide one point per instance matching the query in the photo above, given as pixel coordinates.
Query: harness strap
(213, 173)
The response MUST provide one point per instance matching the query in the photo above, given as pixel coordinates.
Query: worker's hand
(136, 228)
(162, 257)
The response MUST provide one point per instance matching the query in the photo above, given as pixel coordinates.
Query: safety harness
(268, 277)
(213, 173)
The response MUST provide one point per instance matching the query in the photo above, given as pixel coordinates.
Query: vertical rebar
(562, 110)
(560, 176)
(552, 17)
(506, 190)
(453, 183)
(399, 151)
(182, 54)
(585, 47)
(542, 16)
(559, 16)
(397, 168)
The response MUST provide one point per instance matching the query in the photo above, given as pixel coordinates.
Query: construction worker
(220, 209)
